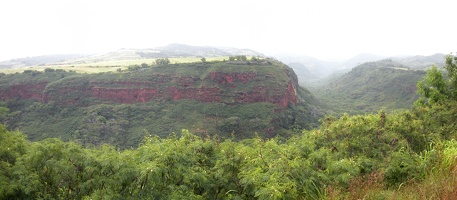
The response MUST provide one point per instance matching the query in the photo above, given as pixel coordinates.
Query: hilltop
(364, 83)
(387, 155)
(371, 86)
(239, 97)
(313, 72)
(205, 89)
(123, 57)
(421, 62)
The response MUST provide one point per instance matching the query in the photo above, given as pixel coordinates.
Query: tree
(451, 68)
(438, 86)
(162, 61)
(239, 58)
(203, 60)
(14, 145)
(433, 88)
(48, 70)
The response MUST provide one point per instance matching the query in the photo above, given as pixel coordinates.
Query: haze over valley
(310, 89)
(228, 99)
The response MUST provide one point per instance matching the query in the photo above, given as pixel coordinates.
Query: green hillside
(239, 128)
(402, 155)
(224, 98)
(370, 87)
(421, 62)
(111, 61)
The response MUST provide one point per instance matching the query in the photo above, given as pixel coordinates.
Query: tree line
(383, 155)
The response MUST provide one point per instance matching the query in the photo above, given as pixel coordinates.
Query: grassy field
(106, 66)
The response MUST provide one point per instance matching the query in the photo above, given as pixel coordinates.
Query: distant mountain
(421, 62)
(360, 59)
(311, 70)
(227, 98)
(235, 51)
(318, 67)
(121, 54)
(370, 87)
(169, 51)
(305, 75)
(182, 50)
(38, 60)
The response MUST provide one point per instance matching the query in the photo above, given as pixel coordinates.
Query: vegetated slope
(359, 59)
(182, 50)
(300, 63)
(374, 156)
(421, 62)
(370, 87)
(312, 71)
(224, 98)
(169, 51)
(305, 76)
(38, 60)
(131, 55)
(402, 155)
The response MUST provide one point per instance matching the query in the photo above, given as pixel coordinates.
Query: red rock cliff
(23, 91)
(239, 87)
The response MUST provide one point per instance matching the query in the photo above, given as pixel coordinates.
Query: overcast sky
(326, 29)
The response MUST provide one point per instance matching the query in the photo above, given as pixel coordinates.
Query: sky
(325, 29)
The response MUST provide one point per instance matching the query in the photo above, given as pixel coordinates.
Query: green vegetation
(239, 58)
(125, 125)
(434, 88)
(33, 77)
(371, 86)
(386, 155)
(99, 66)
(162, 61)
(71, 112)
(122, 58)
(377, 156)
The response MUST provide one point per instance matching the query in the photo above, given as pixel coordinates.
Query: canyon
(216, 86)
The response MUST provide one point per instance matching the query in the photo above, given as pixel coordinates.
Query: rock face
(274, 84)
(24, 91)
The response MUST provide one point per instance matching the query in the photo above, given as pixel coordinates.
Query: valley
(127, 94)
(212, 123)
(236, 98)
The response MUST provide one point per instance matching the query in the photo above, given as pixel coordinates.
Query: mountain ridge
(312, 71)
(371, 86)
(219, 97)
(170, 51)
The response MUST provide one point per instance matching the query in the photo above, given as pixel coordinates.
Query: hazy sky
(321, 28)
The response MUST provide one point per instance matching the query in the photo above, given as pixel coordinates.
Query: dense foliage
(403, 155)
(125, 125)
(396, 148)
(438, 87)
(64, 108)
(371, 86)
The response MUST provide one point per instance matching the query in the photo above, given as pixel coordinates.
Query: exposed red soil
(159, 89)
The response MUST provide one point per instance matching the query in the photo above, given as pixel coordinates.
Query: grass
(439, 185)
(161, 116)
(439, 182)
(91, 67)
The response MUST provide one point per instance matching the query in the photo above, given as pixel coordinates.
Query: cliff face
(223, 98)
(32, 91)
(208, 83)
